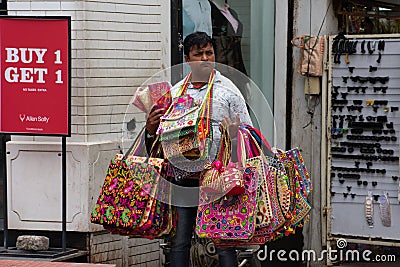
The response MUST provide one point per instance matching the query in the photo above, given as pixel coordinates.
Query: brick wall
(121, 50)
(116, 46)
(123, 251)
(142, 252)
(106, 248)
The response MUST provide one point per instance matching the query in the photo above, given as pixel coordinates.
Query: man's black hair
(198, 39)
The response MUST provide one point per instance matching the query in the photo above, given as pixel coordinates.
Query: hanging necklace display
(369, 210)
(384, 206)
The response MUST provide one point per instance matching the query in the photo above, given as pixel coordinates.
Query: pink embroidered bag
(272, 188)
(230, 217)
(223, 176)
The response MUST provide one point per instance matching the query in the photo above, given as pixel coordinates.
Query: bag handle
(204, 127)
(136, 145)
(139, 144)
(256, 133)
(241, 149)
(244, 138)
(246, 144)
(225, 146)
(185, 85)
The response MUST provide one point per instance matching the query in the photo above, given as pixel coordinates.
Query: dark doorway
(176, 38)
(3, 7)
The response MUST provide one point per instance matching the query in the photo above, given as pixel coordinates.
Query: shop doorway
(244, 35)
(3, 7)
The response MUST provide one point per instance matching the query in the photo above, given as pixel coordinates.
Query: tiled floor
(19, 263)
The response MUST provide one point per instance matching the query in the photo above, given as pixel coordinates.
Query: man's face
(201, 59)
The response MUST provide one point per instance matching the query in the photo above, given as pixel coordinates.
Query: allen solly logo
(42, 119)
(22, 117)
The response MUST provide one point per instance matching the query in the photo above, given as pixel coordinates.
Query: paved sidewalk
(372, 264)
(18, 263)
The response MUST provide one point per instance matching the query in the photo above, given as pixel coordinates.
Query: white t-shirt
(227, 101)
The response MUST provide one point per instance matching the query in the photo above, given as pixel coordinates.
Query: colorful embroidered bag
(154, 94)
(128, 200)
(185, 128)
(288, 168)
(294, 179)
(222, 176)
(159, 219)
(160, 94)
(230, 217)
(265, 215)
(300, 181)
(273, 188)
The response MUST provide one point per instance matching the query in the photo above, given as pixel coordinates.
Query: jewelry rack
(363, 134)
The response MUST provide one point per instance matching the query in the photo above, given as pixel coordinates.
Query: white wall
(121, 49)
(116, 45)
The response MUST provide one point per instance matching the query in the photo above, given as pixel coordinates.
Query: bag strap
(241, 149)
(225, 147)
(256, 133)
(139, 145)
(245, 139)
(136, 145)
(185, 85)
(204, 127)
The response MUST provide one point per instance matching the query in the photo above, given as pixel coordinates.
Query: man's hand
(231, 126)
(153, 120)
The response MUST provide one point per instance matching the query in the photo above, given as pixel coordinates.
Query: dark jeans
(180, 243)
(288, 244)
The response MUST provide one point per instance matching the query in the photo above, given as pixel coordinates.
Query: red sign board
(35, 75)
